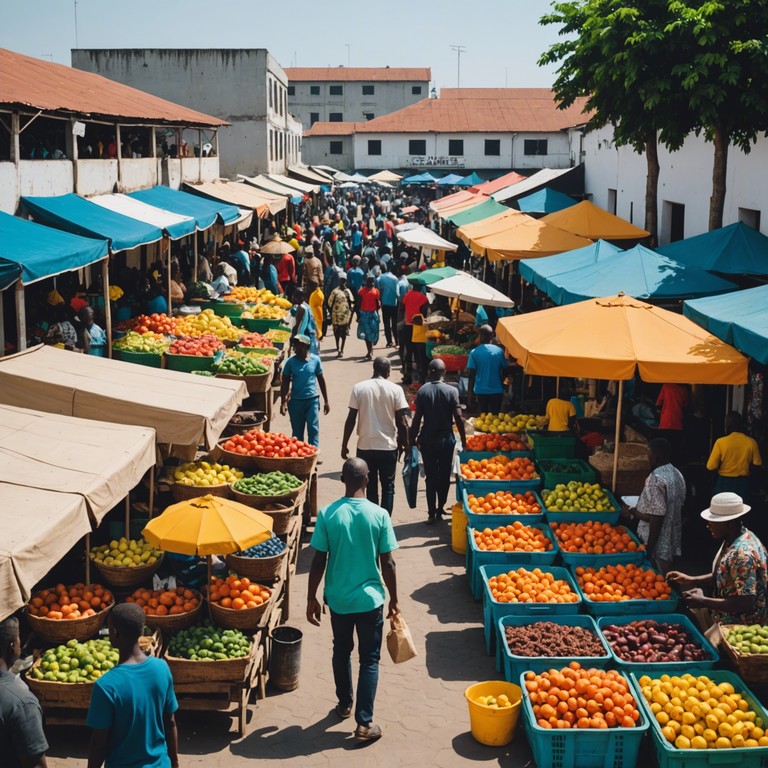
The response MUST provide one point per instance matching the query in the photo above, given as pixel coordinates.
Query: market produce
(549, 640)
(209, 643)
(485, 442)
(76, 662)
(530, 586)
(268, 444)
(168, 602)
(199, 290)
(594, 538)
(75, 602)
(504, 503)
(125, 552)
(268, 484)
(256, 340)
(270, 548)
(205, 474)
(208, 324)
(648, 641)
(751, 638)
(149, 343)
(562, 467)
(156, 322)
(574, 697)
(576, 496)
(243, 365)
(495, 702)
(512, 538)
(264, 312)
(499, 467)
(264, 356)
(506, 422)
(617, 583)
(258, 296)
(698, 713)
(448, 349)
(237, 593)
(200, 346)
(278, 335)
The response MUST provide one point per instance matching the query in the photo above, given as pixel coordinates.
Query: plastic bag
(411, 476)
(399, 641)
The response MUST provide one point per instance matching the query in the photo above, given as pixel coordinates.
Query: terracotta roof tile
(354, 74)
(333, 129)
(495, 93)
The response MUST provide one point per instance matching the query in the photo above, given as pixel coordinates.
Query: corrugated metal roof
(29, 82)
(332, 129)
(353, 74)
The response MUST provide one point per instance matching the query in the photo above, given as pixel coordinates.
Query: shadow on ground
(457, 655)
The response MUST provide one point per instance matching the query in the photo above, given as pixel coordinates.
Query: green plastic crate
(187, 363)
(582, 472)
(552, 445)
(611, 517)
(260, 324)
(149, 359)
(227, 309)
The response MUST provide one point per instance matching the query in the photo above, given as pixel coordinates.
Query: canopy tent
(488, 207)
(464, 286)
(172, 224)
(410, 209)
(531, 184)
(539, 271)
(273, 187)
(243, 195)
(470, 181)
(496, 223)
(733, 250)
(587, 220)
(314, 175)
(205, 212)
(738, 318)
(545, 201)
(507, 180)
(421, 237)
(449, 201)
(302, 186)
(341, 178)
(462, 205)
(429, 276)
(387, 176)
(419, 178)
(449, 180)
(359, 178)
(528, 238)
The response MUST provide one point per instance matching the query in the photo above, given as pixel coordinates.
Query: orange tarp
(495, 185)
(587, 220)
(493, 224)
(526, 240)
(455, 199)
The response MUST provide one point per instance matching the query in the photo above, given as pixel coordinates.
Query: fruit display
(594, 538)
(575, 697)
(76, 662)
(264, 312)
(256, 340)
(648, 641)
(747, 638)
(237, 593)
(272, 547)
(512, 538)
(209, 643)
(549, 640)
(124, 552)
(258, 296)
(617, 583)
(504, 503)
(695, 712)
(75, 602)
(169, 602)
(530, 586)
(499, 467)
(278, 335)
(150, 343)
(576, 496)
(208, 324)
(199, 346)
(157, 323)
(269, 444)
(485, 442)
(240, 365)
(498, 423)
(495, 702)
(205, 473)
(268, 484)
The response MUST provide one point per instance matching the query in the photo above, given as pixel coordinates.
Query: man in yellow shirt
(561, 412)
(316, 300)
(419, 341)
(733, 456)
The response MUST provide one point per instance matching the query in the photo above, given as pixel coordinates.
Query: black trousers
(389, 315)
(489, 403)
(382, 469)
(437, 455)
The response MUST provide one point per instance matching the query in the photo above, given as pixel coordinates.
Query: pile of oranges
(575, 697)
(487, 442)
(617, 583)
(504, 503)
(75, 602)
(534, 586)
(168, 602)
(237, 594)
(594, 538)
(499, 467)
(512, 538)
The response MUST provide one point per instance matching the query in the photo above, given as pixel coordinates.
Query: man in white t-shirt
(380, 409)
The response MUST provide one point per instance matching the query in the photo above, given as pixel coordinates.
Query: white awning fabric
(173, 224)
(421, 237)
(465, 286)
(539, 179)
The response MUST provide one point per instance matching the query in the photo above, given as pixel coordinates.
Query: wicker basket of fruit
(262, 562)
(243, 422)
(242, 612)
(270, 487)
(126, 563)
(169, 610)
(269, 451)
(743, 645)
(203, 478)
(50, 618)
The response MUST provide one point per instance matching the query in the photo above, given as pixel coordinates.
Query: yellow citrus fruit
(699, 742)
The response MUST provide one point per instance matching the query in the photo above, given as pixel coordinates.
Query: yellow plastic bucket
(493, 727)
(459, 530)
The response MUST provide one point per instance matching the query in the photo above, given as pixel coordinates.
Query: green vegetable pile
(268, 484)
(77, 662)
(561, 467)
(448, 349)
(209, 643)
(199, 290)
(245, 365)
(151, 343)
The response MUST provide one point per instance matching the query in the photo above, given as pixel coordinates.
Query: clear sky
(503, 39)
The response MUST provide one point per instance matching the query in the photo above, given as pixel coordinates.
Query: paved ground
(420, 704)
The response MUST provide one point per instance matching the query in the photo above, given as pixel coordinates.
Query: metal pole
(617, 436)
(88, 559)
(170, 309)
(151, 491)
(21, 317)
(107, 306)
(194, 242)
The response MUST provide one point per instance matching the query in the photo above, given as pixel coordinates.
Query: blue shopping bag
(411, 475)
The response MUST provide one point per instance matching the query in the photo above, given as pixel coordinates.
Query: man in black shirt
(437, 405)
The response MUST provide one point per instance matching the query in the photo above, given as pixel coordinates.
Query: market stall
(545, 201)
(421, 237)
(243, 195)
(484, 209)
(588, 220)
(539, 271)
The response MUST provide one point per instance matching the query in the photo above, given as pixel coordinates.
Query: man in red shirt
(368, 316)
(286, 273)
(672, 400)
(414, 303)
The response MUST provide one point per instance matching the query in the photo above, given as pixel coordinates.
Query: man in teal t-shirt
(353, 538)
(487, 366)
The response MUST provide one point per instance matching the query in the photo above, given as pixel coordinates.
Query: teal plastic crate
(669, 756)
(661, 668)
(581, 517)
(581, 471)
(596, 561)
(583, 747)
(261, 325)
(552, 445)
(493, 521)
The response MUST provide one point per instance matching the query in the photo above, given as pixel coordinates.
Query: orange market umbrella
(588, 220)
(526, 240)
(493, 224)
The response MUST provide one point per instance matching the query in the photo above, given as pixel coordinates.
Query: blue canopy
(545, 201)
(471, 180)
(638, 272)
(733, 250)
(451, 178)
(538, 271)
(738, 318)
(419, 178)
(32, 252)
(203, 210)
(82, 217)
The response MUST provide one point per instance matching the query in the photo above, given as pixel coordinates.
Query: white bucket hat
(725, 507)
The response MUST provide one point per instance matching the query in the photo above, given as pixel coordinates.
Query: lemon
(662, 718)
(709, 735)
(699, 742)
(681, 742)
(725, 730)
(687, 731)
(723, 743)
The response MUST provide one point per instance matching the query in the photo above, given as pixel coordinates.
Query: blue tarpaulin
(545, 201)
(738, 318)
(32, 252)
(538, 271)
(419, 178)
(82, 217)
(451, 178)
(471, 180)
(204, 211)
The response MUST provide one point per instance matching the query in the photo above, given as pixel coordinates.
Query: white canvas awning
(302, 186)
(306, 173)
(173, 224)
(539, 179)
(421, 237)
(468, 288)
(267, 184)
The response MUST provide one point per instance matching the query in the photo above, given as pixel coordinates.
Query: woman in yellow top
(561, 412)
(733, 457)
(316, 300)
(419, 340)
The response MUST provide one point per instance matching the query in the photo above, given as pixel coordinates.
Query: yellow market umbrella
(587, 220)
(497, 223)
(527, 240)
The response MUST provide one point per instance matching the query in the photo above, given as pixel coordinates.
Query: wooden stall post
(128, 517)
(170, 307)
(21, 316)
(151, 491)
(194, 242)
(617, 435)
(107, 306)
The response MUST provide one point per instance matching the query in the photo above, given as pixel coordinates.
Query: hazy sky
(502, 37)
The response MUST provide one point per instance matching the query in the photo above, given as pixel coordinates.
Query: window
(535, 147)
(455, 146)
(291, 90)
(314, 90)
(417, 147)
(336, 90)
(337, 147)
(336, 117)
(416, 90)
(492, 147)
(271, 94)
(672, 221)
(368, 115)
(368, 90)
(750, 217)
(313, 117)
(611, 206)
(374, 146)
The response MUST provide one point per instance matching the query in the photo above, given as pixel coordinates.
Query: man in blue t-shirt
(132, 705)
(303, 375)
(388, 283)
(487, 366)
(353, 542)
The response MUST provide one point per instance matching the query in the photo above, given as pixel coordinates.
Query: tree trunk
(652, 188)
(719, 171)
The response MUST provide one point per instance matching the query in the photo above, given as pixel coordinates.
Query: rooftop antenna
(349, 46)
(459, 50)
(77, 43)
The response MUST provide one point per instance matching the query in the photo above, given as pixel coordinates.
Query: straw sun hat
(725, 507)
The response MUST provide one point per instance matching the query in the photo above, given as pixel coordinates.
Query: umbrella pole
(128, 516)
(194, 241)
(170, 308)
(87, 559)
(522, 289)
(151, 491)
(616, 437)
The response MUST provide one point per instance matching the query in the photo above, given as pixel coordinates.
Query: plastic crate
(481, 487)
(596, 561)
(661, 668)
(260, 324)
(187, 363)
(229, 309)
(492, 521)
(149, 359)
(583, 747)
(582, 472)
(552, 445)
(581, 517)
(669, 756)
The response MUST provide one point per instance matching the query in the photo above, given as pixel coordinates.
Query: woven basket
(171, 624)
(56, 694)
(301, 467)
(257, 568)
(281, 515)
(229, 618)
(61, 630)
(123, 576)
(183, 492)
(252, 500)
(240, 429)
(221, 670)
(239, 460)
(752, 667)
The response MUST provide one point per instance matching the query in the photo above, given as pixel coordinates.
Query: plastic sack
(399, 641)
(411, 475)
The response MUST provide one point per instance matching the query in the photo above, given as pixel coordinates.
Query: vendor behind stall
(733, 457)
(561, 412)
(91, 338)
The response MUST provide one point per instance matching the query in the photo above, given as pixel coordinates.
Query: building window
(750, 217)
(314, 90)
(271, 94)
(374, 146)
(535, 147)
(337, 147)
(282, 145)
(492, 147)
(416, 90)
(314, 117)
(336, 117)
(336, 90)
(455, 146)
(291, 90)
(417, 147)
(368, 90)
(673, 221)
(368, 115)
(611, 206)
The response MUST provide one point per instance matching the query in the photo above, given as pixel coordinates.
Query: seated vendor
(91, 338)
(221, 284)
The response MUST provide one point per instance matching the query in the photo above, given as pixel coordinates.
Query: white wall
(45, 177)
(317, 151)
(97, 177)
(9, 190)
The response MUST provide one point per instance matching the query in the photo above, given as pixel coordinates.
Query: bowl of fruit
(247, 368)
(236, 602)
(262, 562)
(126, 562)
(66, 613)
(268, 487)
(269, 451)
(226, 653)
(169, 610)
(202, 478)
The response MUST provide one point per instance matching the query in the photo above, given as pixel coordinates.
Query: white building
(245, 87)
(353, 94)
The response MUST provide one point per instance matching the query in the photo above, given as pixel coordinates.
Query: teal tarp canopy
(451, 178)
(32, 252)
(538, 271)
(429, 276)
(203, 210)
(82, 217)
(733, 250)
(419, 178)
(471, 180)
(738, 318)
(638, 272)
(477, 213)
(545, 201)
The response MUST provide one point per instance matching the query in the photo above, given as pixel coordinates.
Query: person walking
(733, 457)
(368, 316)
(304, 321)
(354, 542)
(487, 366)
(313, 272)
(316, 303)
(388, 284)
(302, 376)
(133, 705)
(380, 409)
(341, 305)
(414, 303)
(286, 273)
(437, 410)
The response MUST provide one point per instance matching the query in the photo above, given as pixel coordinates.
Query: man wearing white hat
(737, 587)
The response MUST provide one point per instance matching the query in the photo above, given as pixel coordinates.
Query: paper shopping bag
(399, 641)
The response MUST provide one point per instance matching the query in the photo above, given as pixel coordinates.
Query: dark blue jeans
(437, 455)
(369, 627)
(382, 468)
